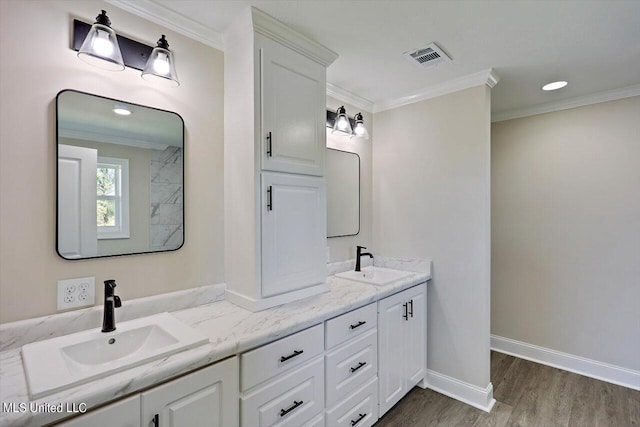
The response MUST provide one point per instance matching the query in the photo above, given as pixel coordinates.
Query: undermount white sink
(63, 362)
(377, 276)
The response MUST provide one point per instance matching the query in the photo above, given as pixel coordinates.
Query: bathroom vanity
(340, 357)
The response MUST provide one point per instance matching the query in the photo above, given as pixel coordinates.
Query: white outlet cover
(74, 293)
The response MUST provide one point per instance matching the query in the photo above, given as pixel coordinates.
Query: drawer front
(349, 325)
(316, 422)
(358, 410)
(257, 366)
(292, 399)
(350, 366)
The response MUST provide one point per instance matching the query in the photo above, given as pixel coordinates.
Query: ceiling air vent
(427, 56)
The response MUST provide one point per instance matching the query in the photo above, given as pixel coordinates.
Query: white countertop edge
(250, 330)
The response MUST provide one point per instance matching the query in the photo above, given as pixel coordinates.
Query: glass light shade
(100, 46)
(160, 67)
(342, 123)
(359, 130)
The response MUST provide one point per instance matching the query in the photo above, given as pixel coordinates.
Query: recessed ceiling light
(122, 111)
(554, 85)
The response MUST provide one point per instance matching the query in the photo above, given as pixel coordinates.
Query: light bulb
(359, 130)
(161, 64)
(342, 123)
(102, 45)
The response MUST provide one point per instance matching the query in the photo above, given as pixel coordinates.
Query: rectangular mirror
(343, 193)
(120, 177)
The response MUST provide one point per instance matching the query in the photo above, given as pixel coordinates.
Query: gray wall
(431, 200)
(566, 231)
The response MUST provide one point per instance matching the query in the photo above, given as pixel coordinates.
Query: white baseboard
(568, 362)
(478, 397)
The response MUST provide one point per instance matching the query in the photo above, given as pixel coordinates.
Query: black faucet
(111, 302)
(360, 254)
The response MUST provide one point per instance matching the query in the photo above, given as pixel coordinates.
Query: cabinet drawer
(342, 328)
(292, 399)
(316, 422)
(257, 366)
(350, 366)
(358, 410)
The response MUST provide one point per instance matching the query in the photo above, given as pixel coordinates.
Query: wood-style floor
(527, 394)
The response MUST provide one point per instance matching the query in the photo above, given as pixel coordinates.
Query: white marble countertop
(230, 329)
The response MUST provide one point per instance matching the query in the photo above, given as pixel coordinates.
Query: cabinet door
(416, 335)
(208, 397)
(391, 350)
(293, 111)
(124, 413)
(294, 226)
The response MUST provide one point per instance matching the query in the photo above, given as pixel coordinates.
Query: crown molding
(161, 15)
(488, 77)
(579, 101)
(270, 27)
(349, 97)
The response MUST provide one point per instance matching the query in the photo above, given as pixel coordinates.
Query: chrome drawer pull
(357, 325)
(292, 355)
(360, 365)
(361, 416)
(284, 412)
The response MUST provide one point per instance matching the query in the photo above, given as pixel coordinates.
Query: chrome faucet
(111, 302)
(360, 254)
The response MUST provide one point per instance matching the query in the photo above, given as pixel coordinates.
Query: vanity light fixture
(160, 66)
(100, 46)
(554, 85)
(339, 121)
(342, 122)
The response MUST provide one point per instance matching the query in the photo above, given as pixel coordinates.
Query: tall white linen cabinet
(274, 144)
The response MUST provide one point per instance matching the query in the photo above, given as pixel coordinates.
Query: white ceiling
(594, 45)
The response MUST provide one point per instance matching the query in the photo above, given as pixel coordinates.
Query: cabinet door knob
(269, 154)
(360, 365)
(284, 412)
(406, 311)
(292, 355)
(156, 420)
(357, 420)
(411, 304)
(270, 198)
(357, 325)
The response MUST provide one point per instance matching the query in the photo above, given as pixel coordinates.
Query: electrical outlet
(73, 293)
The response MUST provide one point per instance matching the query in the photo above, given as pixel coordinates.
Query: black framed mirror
(120, 177)
(343, 193)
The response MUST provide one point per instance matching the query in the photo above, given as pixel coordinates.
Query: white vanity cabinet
(351, 363)
(207, 397)
(294, 227)
(282, 382)
(274, 147)
(402, 344)
(294, 96)
(123, 413)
